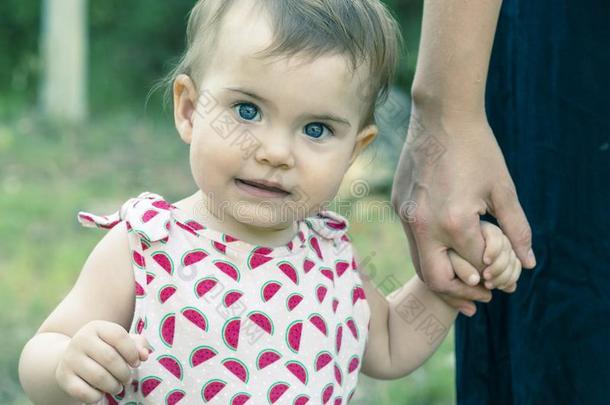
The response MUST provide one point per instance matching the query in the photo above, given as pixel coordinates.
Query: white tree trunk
(63, 91)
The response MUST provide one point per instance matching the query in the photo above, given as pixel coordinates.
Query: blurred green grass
(48, 172)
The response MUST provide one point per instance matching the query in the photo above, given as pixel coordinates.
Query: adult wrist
(433, 102)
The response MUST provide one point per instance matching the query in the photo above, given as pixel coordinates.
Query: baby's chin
(271, 216)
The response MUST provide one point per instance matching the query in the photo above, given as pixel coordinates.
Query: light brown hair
(363, 30)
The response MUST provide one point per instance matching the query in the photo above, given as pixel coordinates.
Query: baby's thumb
(464, 270)
(144, 348)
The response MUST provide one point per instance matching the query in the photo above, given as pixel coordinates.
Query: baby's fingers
(494, 241)
(497, 271)
(464, 270)
(511, 285)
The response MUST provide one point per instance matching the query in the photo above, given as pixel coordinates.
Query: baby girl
(249, 290)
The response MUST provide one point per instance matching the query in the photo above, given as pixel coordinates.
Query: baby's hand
(504, 267)
(97, 360)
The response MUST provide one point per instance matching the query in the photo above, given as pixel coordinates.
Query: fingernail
(473, 279)
(531, 258)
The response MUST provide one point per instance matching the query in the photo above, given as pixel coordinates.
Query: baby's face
(284, 121)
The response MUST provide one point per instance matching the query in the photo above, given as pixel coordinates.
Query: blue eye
(316, 129)
(247, 111)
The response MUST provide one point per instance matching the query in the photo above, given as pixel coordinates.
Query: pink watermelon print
(338, 374)
(351, 324)
(256, 260)
(338, 338)
(165, 261)
(357, 294)
(149, 384)
(335, 305)
(328, 273)
(201, 354)
(172, 364)
(293, 300)
(301, 400)
(193, 256)
(266, 357)
(138, 259)
(315, 245)
(148, 215)
(221, 247)
(354, 362)
(211, 389)
(321, 291)
(276, 391)
(166, 329)
(298, 369)
(227, 268)
(194, 225)
(196, 286)
(263, 320)
(340, 267)
(322, 359)
(237, 367)
(197, 317)
(166, 292)
(293, 335)
(318, 321)
(289, 270)
(231, 296)
(174, 396)
(327, 392)
(240, 398)
(230, 333)
(269, 289)
(308, 265)
(204, 285)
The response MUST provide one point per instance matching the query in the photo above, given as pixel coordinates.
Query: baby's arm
(409, 324)
(103, 291)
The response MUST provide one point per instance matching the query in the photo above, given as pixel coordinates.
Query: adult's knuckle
(453, 219)
(506, 191)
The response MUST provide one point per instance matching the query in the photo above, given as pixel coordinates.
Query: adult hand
(450, 172)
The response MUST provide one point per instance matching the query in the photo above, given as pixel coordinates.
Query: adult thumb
(512, 220)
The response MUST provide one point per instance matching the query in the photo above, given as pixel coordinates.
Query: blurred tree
(64, 53)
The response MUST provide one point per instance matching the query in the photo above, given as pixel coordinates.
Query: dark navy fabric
(548, 102)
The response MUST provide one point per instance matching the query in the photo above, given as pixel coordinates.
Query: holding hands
(503, 267)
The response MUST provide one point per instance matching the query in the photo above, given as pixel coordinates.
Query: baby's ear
(363, 139)
(185, 102)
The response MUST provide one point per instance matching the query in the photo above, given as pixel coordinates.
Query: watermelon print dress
(237, 323)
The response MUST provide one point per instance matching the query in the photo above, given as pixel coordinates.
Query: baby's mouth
(262, 186)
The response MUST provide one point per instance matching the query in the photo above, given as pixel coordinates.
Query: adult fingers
(512, 220)
(462, 233)
(440, 277)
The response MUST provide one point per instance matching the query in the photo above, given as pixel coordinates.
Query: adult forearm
(454, 52)
(37, 366)
(419, 320)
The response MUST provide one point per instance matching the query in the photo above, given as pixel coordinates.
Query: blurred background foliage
(49, 171)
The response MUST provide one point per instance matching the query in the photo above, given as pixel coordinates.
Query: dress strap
(329, 224)
(148, 215)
